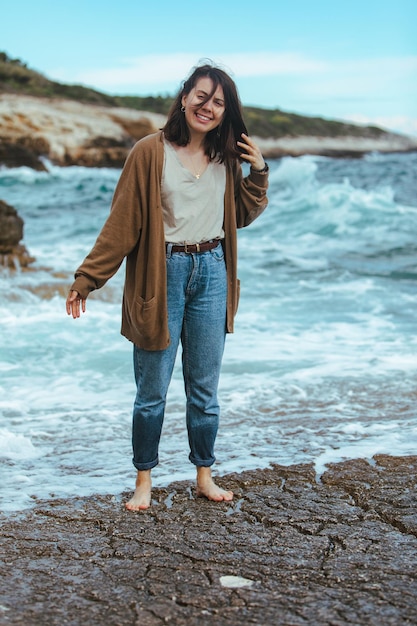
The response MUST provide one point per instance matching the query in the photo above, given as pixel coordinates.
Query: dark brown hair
(221, 141)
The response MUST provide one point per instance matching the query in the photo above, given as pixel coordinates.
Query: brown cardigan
(135, 230)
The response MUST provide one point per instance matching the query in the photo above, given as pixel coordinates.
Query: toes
(131, 506)
(137, 508)
(215, 495)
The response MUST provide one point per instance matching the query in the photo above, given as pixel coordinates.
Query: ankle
(203, 474)
(143, 478)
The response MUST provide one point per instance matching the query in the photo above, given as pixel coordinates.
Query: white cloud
(337, 74)
(397, 123)
(150, 69)
(158, 69)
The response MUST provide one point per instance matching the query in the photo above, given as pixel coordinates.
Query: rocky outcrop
(20, 151)
(13, 254)
(67, 132)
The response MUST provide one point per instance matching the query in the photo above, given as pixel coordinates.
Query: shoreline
(288, 550)
(335, 147)
(73, 133)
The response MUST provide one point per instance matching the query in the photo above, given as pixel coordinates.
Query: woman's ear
(184, 100)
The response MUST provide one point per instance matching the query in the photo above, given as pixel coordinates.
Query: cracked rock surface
(289, 550)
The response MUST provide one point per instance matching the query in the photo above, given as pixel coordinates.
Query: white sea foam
(369, 441)
(17, 447)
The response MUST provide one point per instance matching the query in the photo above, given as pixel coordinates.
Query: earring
(183, 109)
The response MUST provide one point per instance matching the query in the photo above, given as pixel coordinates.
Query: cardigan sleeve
(120, 233)
(250, 195)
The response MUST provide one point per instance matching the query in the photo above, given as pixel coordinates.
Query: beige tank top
(192, 207)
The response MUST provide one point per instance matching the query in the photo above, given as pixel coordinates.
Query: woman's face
(209, 116)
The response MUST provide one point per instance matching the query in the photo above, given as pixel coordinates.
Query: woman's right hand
(73, 304)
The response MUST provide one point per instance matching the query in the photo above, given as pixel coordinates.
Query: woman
(180, 198)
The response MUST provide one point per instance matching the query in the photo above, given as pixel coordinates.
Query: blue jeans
(197, 294)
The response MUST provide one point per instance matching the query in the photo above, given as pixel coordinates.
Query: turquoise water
(322, 365)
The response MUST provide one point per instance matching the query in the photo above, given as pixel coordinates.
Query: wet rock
(11, 227)
(340, 550)
(12, 253)
(17, 154)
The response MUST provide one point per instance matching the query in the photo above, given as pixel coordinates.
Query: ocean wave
(321, 366)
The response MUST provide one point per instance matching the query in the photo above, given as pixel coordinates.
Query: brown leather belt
(193, 248)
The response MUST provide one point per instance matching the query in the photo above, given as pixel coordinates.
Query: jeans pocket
(218, 253)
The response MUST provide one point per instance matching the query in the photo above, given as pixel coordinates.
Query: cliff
(68, 132)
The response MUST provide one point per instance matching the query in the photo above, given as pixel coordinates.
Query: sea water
(322, 365)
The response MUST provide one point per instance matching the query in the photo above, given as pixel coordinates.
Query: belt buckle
(187, 251)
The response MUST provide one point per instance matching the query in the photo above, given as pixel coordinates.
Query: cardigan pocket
(144, 318)
(143, 307)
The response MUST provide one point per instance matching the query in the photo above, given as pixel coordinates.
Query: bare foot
(207, 488)
(141, 499)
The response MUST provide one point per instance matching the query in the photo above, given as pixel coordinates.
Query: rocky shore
(67, 132)
(290, 550)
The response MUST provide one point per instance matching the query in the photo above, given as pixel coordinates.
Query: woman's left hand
(251, 153)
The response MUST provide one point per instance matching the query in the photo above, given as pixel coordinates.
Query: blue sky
(353, 60)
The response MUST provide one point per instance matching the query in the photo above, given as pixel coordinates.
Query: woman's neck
(196, 144)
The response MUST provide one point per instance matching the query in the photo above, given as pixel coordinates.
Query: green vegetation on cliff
(17, 78)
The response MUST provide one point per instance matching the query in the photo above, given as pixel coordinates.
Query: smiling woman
(175, 213)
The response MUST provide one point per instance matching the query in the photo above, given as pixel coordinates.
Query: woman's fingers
(251, 153)
(75, 304)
